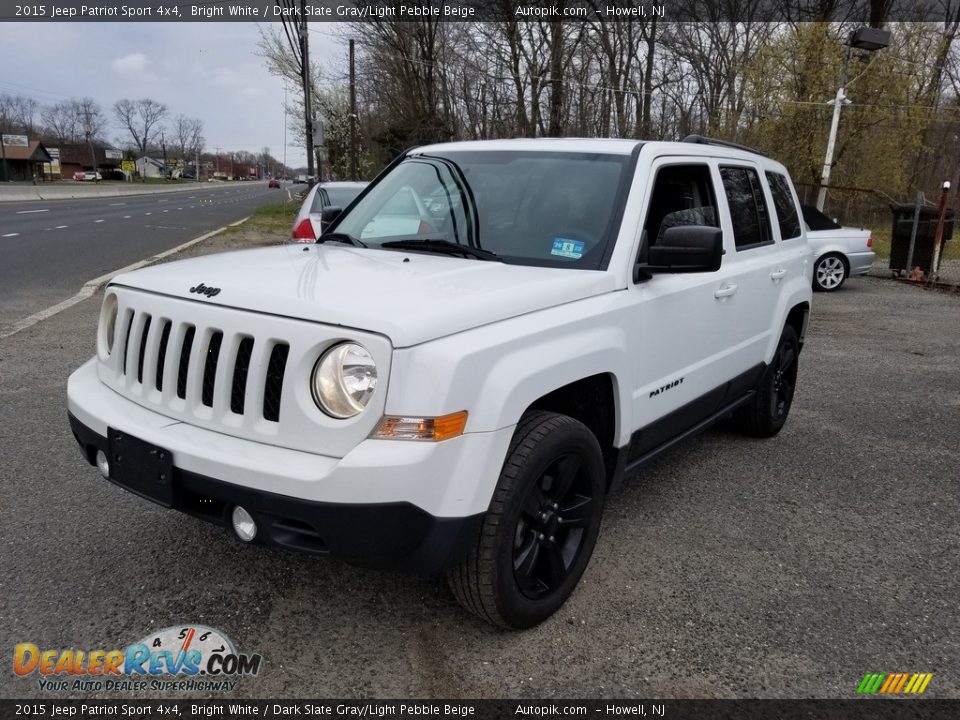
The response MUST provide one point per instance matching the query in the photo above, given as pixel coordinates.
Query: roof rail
(704, 140)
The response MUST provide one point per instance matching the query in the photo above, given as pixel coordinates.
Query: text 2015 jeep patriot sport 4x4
(474, 352)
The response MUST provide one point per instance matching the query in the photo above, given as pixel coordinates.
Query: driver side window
(682, 195)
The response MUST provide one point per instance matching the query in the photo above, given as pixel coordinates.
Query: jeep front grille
(204, 357)
(236, 372)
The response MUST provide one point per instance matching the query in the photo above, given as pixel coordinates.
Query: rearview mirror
(685, 249)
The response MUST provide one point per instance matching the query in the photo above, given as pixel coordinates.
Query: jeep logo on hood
(202, 289)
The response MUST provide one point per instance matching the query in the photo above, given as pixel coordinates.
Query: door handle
(778, 274)
(725, 291)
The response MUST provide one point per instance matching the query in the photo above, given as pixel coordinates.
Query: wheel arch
(592, 401)
(798, 317)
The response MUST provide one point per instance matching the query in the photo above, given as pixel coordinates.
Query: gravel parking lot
(731, 568)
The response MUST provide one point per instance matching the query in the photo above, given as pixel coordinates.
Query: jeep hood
(410, 297)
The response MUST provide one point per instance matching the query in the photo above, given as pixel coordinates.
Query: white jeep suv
(462, 398)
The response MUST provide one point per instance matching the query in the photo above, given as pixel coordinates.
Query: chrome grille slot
(184, 362)
(210, 368)
(241, 368)
(273, 387)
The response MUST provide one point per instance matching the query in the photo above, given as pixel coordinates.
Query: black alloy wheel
(542, 524)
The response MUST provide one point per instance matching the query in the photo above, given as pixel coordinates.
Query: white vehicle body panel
(408, 297)
(448, 334)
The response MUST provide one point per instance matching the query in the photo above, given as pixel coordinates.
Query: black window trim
(801, 223)
(751, 246)
(673, 161)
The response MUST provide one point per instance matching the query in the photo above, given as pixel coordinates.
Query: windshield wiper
(442, 246)
(341, 238)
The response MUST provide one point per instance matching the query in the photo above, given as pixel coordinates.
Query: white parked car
(839, 252)
(308, 224)
(461, 399)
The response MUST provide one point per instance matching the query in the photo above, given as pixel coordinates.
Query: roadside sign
(54, 161)
(128, 166)
(16, 140)
(112, 154)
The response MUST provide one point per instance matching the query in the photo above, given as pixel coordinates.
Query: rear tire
(765, 415)
(539, 532)
(829, 272)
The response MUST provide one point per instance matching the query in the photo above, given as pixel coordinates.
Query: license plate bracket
(141, 468)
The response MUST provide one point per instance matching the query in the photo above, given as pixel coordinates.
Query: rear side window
(333, 197)
(784, 206)
(748, 208)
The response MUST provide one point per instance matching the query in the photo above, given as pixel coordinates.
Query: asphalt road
(732, 568)
(50, 248)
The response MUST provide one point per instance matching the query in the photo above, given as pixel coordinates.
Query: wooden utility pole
(307, 105)
(354, 175)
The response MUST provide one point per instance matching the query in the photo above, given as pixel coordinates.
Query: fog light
(243, 524)
(103, 465)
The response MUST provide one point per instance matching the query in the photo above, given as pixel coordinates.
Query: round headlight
(344, 380)
(108, 323)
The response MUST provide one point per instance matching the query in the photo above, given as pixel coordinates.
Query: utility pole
(163, 144)
(307, 105)
(3, 155)
(284, 130)
(217, 148)
(198, 165)
(353, 116)
(870, 40)
(839, 101)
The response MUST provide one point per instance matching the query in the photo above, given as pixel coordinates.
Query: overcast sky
(206, 70)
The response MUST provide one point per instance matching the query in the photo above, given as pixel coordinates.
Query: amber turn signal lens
(429, 429)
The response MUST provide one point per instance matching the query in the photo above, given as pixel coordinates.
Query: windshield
(333, 197)
(535, 208)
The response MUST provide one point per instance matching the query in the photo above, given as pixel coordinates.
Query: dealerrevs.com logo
(189, 658)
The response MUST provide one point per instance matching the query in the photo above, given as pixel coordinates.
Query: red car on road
(273, 183)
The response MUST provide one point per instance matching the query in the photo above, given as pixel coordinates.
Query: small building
(24, 162)
(75, 157)
(148, 167)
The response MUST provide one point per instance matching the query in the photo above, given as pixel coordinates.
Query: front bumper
(403, 505)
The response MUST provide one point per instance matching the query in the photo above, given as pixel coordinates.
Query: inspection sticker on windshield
(565, 247)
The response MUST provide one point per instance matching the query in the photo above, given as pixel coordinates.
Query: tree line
(146, 128)
(146, 125)
(765, 84)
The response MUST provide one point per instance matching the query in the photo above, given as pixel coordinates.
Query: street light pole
(838, 102)
(864, 38)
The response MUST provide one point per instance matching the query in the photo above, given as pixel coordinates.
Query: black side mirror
(685, 249)
(329, 214)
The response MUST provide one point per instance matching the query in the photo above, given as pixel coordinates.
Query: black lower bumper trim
(396, 536)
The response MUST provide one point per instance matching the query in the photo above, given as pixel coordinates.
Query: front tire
(765, 415)
(539, 532)
(829, 272)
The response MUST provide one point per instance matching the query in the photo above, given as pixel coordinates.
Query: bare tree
(141, 119)
(18, 113)
(187, 137)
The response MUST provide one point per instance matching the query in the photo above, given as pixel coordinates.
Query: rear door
(683, 325)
